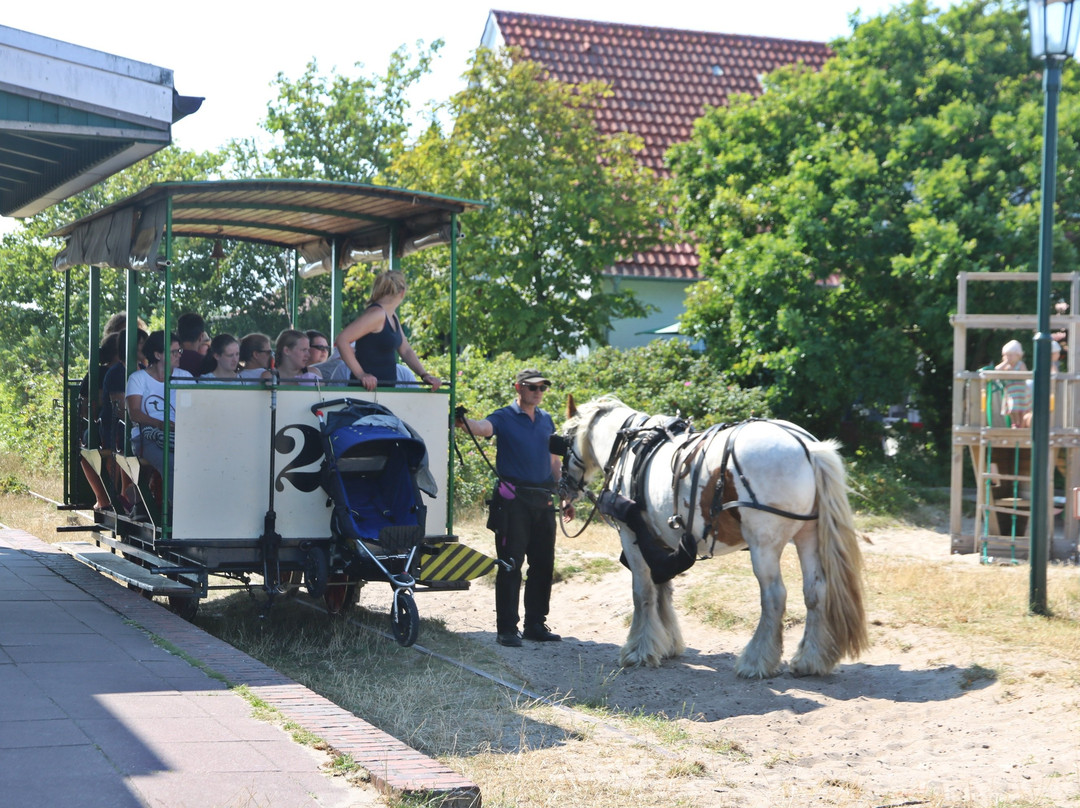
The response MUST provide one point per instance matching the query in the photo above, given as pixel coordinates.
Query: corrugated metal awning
(308, 215)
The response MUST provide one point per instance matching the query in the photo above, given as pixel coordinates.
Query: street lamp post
(1054, 30)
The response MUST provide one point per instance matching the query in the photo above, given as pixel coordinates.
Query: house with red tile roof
(662, 79)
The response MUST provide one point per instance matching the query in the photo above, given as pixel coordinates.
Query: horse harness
(642, 440)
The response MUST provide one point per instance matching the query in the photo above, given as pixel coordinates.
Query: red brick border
(395, 767)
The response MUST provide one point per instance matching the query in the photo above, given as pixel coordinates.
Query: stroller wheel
(340, 597)
(316, 571)
(404, 618)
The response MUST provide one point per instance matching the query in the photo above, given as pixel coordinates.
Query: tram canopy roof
(320, 219)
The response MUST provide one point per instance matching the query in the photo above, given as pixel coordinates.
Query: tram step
(125, 571)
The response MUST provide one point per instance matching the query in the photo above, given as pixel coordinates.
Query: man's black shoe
(540, 633)
(510, 639)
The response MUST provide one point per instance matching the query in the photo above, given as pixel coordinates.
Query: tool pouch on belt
(498, 508)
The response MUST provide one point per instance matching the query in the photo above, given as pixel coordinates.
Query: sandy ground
(905, 722)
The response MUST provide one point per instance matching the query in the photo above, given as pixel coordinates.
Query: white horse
(759, 484)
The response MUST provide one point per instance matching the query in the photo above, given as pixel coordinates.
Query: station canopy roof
(320, 219)
(71, 116)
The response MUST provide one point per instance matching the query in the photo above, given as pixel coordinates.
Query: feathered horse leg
(648, 642)
(762, 656)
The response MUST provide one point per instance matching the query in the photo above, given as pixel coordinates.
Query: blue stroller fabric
(370, 473)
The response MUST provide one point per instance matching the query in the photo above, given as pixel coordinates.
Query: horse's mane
(592, 409)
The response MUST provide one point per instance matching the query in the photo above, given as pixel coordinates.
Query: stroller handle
(337, 402)
(318, 407)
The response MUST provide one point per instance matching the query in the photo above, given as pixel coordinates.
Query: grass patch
(428, 704)
(588, 568)
(973, 674)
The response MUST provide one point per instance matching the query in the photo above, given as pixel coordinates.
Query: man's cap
(531, 376)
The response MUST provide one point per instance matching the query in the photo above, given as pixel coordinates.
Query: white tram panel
(222, 459)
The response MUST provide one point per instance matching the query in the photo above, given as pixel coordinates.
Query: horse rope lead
(459, 414)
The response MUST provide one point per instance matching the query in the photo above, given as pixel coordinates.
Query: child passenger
(223, 360)
(293, 355)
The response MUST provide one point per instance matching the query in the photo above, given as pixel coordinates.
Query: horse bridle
(572, 492)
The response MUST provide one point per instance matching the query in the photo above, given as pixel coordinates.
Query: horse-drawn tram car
(292, 485)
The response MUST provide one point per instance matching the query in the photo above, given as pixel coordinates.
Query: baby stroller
(373, 471)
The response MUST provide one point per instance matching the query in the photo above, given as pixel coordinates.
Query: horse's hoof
(800, 668)
(635, 660)
(744, 671)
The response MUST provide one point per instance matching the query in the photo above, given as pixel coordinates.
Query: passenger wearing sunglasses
(522, 515)
(319, 346)
(255, 356)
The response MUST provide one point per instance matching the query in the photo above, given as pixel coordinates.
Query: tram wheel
(339, 598)
(405, 618)
(316, 571)
(186, 606)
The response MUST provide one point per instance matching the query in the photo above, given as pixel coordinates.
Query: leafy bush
(31, 416)
(662, 377)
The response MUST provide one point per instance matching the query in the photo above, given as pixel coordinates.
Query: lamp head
(1054, 28)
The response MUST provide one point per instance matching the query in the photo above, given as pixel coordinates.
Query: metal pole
(1041, 488)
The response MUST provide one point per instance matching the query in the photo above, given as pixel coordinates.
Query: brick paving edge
(395, 767)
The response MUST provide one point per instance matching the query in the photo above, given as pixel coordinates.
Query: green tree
(33, 319)
(834, 212)
(333, 127)
(336, 127)
(563, 203)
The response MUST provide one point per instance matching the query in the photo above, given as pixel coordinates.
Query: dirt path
(919, 716)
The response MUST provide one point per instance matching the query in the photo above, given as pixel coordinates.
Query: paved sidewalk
(94, 713)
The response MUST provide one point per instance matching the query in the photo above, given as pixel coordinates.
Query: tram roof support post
(453, 371)
(93, 368)
(337, 284)
(294, 291)
(167, 359)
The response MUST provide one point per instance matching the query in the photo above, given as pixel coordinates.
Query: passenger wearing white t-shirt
(146, 398)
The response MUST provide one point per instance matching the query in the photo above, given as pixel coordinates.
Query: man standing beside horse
(522, 515)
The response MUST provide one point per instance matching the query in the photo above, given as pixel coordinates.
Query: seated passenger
(319, 345)
(189, 329)
(146, 399)
(114, 392)
(93, 407)
(255, 356)
(293, 355)
(223, 360)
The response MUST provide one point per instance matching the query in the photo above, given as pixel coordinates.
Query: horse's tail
(841, 557)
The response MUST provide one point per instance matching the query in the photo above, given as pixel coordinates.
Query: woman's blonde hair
(288, 339)
(388, 283)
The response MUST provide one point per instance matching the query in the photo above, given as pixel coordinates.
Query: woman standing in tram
(370, 344)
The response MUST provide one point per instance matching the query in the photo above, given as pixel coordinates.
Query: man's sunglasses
(320, 347)
(533, 388)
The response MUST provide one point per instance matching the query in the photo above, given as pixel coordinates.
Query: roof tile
(662, 79)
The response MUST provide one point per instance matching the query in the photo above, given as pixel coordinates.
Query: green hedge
(32, 416)
(663, 377)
